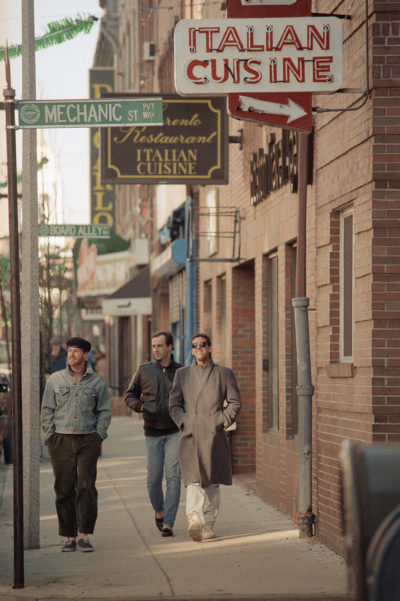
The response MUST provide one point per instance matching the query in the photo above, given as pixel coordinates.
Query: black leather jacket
(148, 393)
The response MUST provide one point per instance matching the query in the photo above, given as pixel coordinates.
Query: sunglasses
(199, 344)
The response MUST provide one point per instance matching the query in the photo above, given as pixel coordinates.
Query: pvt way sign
(90, 113)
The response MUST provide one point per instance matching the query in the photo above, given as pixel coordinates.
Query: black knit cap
(80, 343)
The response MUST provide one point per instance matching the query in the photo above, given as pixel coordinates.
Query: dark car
(5, 418)
(5, 357)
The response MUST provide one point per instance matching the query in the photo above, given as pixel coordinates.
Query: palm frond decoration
(57, 33)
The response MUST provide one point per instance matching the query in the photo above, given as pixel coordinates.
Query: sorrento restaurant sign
(189, 148)
(253, 55)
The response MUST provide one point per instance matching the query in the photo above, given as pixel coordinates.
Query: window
(272, 341)
(346, 286)
(293, 353)
(207, 308)
(221, 316)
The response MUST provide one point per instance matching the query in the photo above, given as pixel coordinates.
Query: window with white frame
(346, 286)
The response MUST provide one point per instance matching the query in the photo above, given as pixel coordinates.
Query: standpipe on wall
(305, 389)
(189, 271)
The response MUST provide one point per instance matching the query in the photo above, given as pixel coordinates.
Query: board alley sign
(253, 55)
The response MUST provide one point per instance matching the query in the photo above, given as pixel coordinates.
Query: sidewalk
(257, 554)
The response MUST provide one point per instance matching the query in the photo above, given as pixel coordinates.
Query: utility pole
(30, 293)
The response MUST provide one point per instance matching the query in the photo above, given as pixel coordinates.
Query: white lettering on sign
(83, 113)
(258, 55)
(62, 230)
(75, 231)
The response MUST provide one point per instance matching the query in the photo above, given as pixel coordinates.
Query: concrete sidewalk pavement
(257, 553)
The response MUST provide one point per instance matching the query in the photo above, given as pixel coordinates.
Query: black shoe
(69, 546)
(84, 545)
(166, 532)
(160, 523)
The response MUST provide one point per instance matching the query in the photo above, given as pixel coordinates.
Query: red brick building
(352, 262)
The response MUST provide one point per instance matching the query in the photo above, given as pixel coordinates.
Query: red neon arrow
(292, 110)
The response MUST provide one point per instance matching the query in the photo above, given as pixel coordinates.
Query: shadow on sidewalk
(257, 553)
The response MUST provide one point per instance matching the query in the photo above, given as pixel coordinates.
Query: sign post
(16, 380)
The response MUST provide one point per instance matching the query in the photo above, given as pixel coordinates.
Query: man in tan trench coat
(204, 401)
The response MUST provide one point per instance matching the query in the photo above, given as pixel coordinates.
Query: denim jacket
(69, 408)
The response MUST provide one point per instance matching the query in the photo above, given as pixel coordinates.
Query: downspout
(189, 313)
(305, 389)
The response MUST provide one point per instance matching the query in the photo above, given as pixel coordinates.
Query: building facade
(242, 297)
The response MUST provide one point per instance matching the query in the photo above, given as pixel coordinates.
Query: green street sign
(90, 113)
(75, 231)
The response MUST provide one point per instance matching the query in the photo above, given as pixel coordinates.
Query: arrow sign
(291, 109)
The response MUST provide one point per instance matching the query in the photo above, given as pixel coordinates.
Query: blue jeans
(162, 457)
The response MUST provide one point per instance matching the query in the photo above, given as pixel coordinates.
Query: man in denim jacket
(75, 415)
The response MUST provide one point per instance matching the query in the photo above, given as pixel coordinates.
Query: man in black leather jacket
(148, 393)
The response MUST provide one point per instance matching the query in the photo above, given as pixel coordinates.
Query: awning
(171, 260)
(133, 298)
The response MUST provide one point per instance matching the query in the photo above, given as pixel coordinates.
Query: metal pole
(189, 283)
(9, 99)
(30, 294)
(305, 388)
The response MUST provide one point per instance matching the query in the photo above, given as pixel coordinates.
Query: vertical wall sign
(102, 196)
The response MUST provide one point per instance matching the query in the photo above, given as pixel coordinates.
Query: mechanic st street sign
(90, 113)
(253, 55)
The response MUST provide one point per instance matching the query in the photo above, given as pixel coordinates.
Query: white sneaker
(194, 528)
(208, 532)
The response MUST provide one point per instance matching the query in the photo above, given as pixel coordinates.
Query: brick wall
(244, 357)
(356, 164)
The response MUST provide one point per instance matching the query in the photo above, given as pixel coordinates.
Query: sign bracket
(366, 91)
(229, 228)
(237, 139)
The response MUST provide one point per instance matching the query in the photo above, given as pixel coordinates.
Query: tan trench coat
(196, 405)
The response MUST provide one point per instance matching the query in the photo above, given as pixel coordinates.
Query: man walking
(148, 394)
(57, 358)
(75, 415)
(204, 401)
